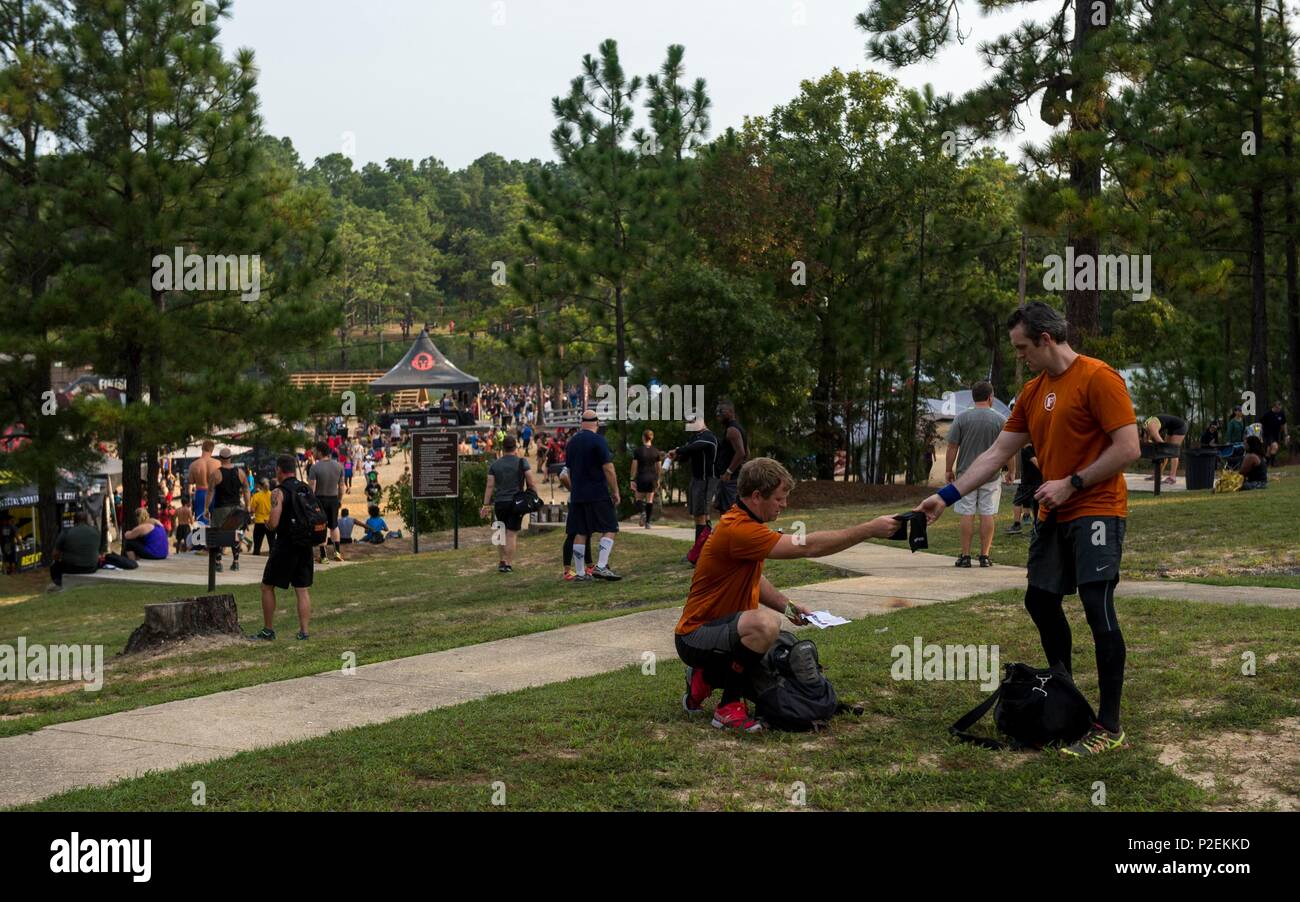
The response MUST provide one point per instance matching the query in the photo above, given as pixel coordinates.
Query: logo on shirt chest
(1050, 401)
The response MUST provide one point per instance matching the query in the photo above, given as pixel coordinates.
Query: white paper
(824, 619)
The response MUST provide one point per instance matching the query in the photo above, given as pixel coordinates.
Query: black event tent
(424, 366)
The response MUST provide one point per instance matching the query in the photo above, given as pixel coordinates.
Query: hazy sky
(455, 79)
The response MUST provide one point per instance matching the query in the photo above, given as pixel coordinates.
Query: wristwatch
(1077, 481)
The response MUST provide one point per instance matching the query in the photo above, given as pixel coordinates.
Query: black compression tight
(1054, 631)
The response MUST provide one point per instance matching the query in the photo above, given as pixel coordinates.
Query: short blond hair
(141, 516)
(763, 475)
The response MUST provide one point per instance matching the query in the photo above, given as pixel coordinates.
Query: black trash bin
(1200, 467)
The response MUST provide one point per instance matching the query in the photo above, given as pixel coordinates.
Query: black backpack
(791, 691)
(1036, 708)
(307, 521)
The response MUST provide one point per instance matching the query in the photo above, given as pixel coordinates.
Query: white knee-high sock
(606, 546)
(579, 558)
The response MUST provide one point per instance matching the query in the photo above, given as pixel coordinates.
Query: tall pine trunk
(1292, 288)
(1083, 305)
(1258, 293)
(916, 357)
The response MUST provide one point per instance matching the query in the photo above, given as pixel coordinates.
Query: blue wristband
(949, 494)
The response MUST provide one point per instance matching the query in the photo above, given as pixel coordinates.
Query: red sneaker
(590, 570)
(568, 576)
(735, 716)
(697, 690)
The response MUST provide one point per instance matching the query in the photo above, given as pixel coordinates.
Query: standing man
(202, 473)
(394, 438)
(288, 564)
(1078, 414)
(645, 476)
(972, 433)
(507, 476)
(594, 498)
(1274, 423)
(702, 451)
(324, 478)
(722, 634)
(733, 450)
(229, 500)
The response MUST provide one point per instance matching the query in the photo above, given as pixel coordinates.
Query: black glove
(917, 540)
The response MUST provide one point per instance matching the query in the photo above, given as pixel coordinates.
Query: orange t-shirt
(729, 569)
(1069, 419)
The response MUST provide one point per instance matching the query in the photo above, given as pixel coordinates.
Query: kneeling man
(723, 634)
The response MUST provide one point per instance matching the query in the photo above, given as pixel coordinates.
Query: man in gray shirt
(324, 478)
(508, 475)
(971, 434)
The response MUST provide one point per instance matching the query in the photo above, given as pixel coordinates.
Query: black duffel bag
(1036, 708)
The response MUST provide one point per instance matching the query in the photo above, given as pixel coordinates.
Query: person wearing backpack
(722, 635)
(290, 562)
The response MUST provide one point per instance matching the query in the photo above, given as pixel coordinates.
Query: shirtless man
(202, 476)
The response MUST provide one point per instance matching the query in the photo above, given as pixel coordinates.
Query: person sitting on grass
(147, 540)
(376, 528)
(346, 527)
(1254, 469)
(722, 635)
(76, 550)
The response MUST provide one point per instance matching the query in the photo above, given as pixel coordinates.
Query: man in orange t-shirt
(722, 634)
(1078, 414)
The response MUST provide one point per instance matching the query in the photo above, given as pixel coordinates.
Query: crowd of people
(1069, 436)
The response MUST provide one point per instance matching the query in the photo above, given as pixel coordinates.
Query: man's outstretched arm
(820, 544)
(983, 469)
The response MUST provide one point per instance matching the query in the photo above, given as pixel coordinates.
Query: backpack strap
(970, 717)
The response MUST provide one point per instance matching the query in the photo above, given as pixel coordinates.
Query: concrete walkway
(102, 750)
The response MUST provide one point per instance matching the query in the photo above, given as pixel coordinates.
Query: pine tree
(1071, 59)
(171, 157)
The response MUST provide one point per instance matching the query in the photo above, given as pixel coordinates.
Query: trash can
(1200, 467)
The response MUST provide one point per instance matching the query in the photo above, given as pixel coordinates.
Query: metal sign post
(435, 474)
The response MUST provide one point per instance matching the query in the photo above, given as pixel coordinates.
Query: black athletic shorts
(182, 532)
(330, 505)
(505, 513)
(646, 485)
(712, 644)
(590, 517)
(1171, 425)
(1064, 556)
(289, 565)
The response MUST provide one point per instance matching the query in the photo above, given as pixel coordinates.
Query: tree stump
(202, 615)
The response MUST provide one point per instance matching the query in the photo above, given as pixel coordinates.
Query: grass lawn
(620, 741)
(389, 608)
(1243, 539)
